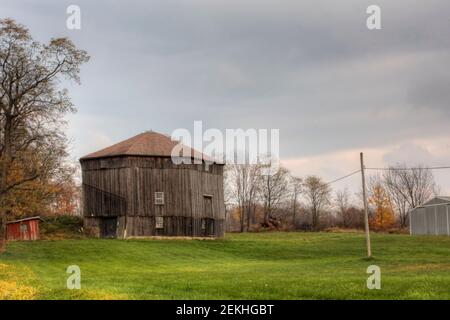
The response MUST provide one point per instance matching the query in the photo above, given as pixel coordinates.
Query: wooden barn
(23, 229)
(133, 189)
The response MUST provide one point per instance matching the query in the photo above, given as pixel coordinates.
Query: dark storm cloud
(310, 68)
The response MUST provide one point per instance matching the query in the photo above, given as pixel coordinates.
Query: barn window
(23, 228)
(159, 197)
(159, 222)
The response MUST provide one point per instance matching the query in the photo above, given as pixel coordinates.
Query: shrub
(63, 226)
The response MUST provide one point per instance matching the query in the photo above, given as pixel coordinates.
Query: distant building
(133, 189)
(432, 217)
(23, 229)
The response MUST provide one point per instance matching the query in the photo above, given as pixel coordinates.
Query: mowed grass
(242, 266)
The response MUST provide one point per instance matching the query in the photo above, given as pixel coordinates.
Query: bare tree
(296, 189)
(243, 183)
(409, 188)
(273, 189)
(228, 192)
(342, 202)
(317, 194)
(32, 106)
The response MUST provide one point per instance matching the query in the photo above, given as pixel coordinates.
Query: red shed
(23, 229)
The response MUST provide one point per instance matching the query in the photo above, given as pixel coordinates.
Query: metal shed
(431, 218)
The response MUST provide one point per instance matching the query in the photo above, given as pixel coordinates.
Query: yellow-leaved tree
(384, 213)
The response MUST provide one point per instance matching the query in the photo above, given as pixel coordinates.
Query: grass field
(243, 266)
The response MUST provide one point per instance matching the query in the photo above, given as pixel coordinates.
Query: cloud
(308, 68)
(433, 152)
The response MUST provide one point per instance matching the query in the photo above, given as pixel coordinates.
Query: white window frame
(159, 198)
(159, 222)
(23, 227)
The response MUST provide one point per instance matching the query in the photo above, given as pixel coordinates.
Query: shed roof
(436, 201)
(25, 219)
(149, 143)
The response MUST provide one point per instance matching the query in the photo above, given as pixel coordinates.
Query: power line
(385, 169)
(362, 171)
(344, 177)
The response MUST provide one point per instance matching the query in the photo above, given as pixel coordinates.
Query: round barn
(134, 189)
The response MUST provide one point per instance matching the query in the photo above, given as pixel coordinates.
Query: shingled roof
(149, 143)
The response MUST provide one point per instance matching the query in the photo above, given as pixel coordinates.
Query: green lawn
(243, 266)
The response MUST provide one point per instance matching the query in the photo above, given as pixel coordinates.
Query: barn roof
(149, 143)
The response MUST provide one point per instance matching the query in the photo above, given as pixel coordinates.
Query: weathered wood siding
(125, 187)
(23, 230)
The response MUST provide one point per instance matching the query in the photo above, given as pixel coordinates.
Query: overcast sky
(309, 68)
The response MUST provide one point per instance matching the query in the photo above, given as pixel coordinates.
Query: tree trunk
(6, 156)
(294, 212)
(266, 215)
(2, 232)
(344, 218)
(248, 217)
(241, 218)
(315, 219)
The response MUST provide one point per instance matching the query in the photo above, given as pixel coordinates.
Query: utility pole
(366, 209)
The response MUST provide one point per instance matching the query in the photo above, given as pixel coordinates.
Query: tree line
(261, 197)
(36, 175)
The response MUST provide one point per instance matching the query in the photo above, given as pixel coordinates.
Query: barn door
(108, 227)
(24, 231)
(208, 222)
(210, 228)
